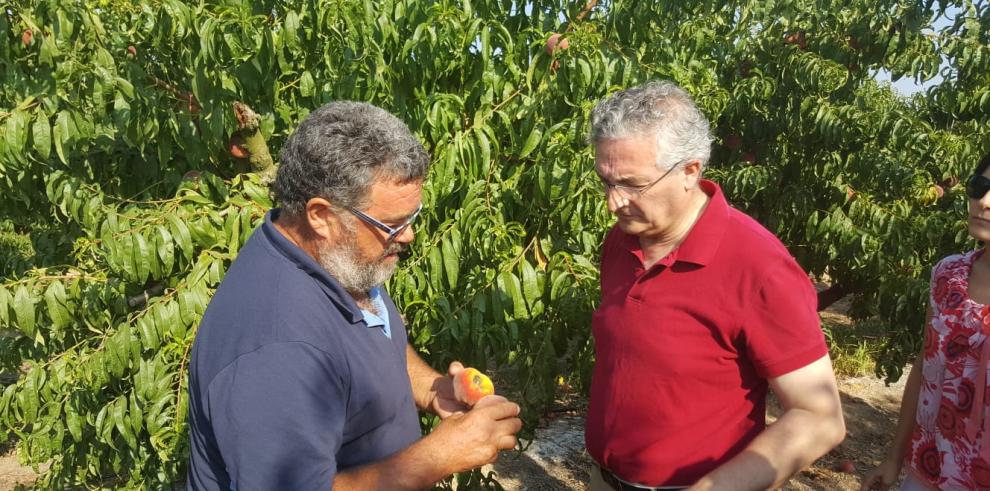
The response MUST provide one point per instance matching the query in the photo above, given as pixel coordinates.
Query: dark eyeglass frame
(977, 186)
(635, 192)
(392, 232)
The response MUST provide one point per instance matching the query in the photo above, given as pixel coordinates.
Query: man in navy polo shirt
(301, 377)
(702, 309)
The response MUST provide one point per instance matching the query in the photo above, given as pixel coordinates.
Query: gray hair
(338, 152)
(659, 108)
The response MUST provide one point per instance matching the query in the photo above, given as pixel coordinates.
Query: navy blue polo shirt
(288, 384)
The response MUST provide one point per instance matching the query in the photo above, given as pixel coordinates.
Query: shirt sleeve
(278, 415)
(782, 328)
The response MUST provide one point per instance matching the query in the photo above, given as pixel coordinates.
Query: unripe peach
(555, 43)
(470, 386)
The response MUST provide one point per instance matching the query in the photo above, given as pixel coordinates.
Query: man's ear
(692, 173)
(323, 221)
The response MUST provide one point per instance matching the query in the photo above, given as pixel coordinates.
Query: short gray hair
(659, 108)
(338, 152)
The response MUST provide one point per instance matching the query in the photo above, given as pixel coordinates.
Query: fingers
(500, 409)
(455, 368)
(506, 442)
(489, 400)
(509, 426)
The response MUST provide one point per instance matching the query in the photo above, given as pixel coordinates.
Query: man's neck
(656, 247)
(292, 230)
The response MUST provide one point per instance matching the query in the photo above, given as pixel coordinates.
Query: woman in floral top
(943, 435)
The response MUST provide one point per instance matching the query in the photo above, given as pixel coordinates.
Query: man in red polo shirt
(702, 311)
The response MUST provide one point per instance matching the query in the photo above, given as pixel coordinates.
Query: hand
(466, 440)
(444, 403)
(882, 477)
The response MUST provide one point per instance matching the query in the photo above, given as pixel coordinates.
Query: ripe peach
(132, 51)
(470, 386)
(846, 466)
(939, 191)
(236, 147)
(27, 38)
(744, 68)
(733, 141)
(797, 38)
(555, 43)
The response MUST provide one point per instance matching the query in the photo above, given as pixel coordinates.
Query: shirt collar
(703, 239)
(348, 307)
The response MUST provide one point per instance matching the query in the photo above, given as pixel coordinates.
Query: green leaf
(16, 131)
(74, 422)
(24, 311)
(166, 250)
(55, 302)
(307, 87)
(451, 262)
(532, 141)
(41, 133)
(181, 232)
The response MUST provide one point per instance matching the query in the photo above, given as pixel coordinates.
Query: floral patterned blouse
(950, 446)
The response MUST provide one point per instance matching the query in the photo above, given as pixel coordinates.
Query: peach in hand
(470, 386)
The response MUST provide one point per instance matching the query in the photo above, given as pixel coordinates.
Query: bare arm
(431, 390)
(886, 473)
(461, 442)
(810, 426)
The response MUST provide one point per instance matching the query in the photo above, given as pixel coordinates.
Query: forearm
(906, 419)
(785, 447)
(412, 469)
(422, 377)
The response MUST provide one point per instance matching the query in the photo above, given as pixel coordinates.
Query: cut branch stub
(248, 143)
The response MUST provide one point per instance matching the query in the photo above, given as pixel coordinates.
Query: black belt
(617, 484)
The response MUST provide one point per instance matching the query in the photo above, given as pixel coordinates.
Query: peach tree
(137, 140)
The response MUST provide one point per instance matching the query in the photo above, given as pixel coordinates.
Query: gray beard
(343, 261)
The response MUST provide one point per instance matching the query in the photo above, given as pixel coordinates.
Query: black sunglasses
(977, 186)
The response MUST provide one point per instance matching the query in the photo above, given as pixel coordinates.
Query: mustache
(394, 249)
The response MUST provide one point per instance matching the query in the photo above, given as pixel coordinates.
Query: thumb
(455, 368)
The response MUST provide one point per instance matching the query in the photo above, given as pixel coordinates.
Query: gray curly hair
(339, 150)
(660, 108)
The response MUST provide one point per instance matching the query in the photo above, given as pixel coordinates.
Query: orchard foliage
(127, 162)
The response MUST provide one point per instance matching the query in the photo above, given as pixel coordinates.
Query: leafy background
(122, 205)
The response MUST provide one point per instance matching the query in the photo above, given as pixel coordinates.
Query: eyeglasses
(634, 192)
(977, 186)
(392, 232)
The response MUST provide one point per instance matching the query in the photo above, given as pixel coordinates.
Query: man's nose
(614, 199)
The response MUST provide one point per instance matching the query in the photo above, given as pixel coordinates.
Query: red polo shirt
(684, 349)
